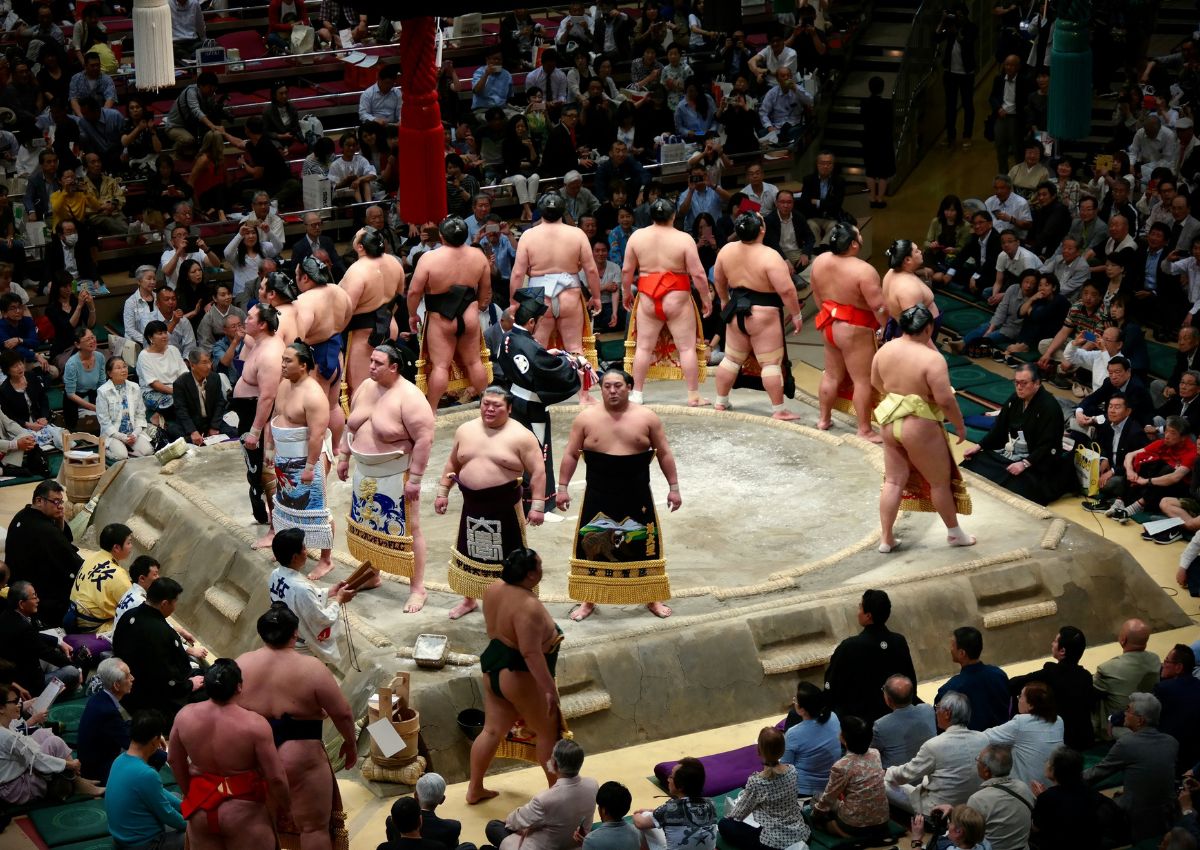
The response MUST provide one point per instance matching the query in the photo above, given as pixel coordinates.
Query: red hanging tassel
(422, 164)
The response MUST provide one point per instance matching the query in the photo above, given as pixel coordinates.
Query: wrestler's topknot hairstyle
(661, 210)
(453, 230)
(222, 680)
(268, 315)
(915, 319)
(304, 353)
(316, 271)
(841, 237)
(747, 226)
(496, 389)
(518, 564)
(898, 252)
(372, 242)
(277, 625)
(625, 376)
(400, 356)
(282, 285)
(551, 206)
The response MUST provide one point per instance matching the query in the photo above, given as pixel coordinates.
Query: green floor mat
(55, 461)
(953, 360)
(54, 395)
(965, 320)
(1162, 359)
(997, 391)
(105, 843)
(67, 712)
(71, 823)
(972, 375)
(970, 407)
(824, 840)
(975, 434)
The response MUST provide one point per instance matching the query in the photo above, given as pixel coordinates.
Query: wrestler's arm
(400, 277)
(483, 286)
(530, 634)
(938, 378)
(535, 465)
(416, 292)
(281, 392)
(695, 270)
(720, 279)
(270, 374)
(781, 282)
(270, 764)
(352, 285)
(520, 268)
(334, 703)
(876, 378)
(177, 758)
(419, 422)
(627, 271)
(304, 321)
(316, 415)
(587, 265)
(666, 462)
(448, 472)
(570, 460)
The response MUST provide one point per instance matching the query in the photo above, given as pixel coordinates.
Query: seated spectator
(550, 79)
(1005, 802)
(227, 350)
(580, 202)
(965, 831)
(822, 196)
(183, 246)
(121, 413)
(1028, 174)
(207, 177)
(71, 202)
(738, 115)
(575, 31)
(783, 109)
(1134, 669)
(1133, 337)
(1068, 188)
(812, 745)
(212, 323)
(947, 235)
(431, 793)
(651, 119)
(245, 253)
(555, 814)
(141, 812)
(38, 766)
(1091, 354)
(619, 165)
(36, 658)
(1008, 209)
(1153, 301)
(771, 58)
(714, 159)
(1120, 379)
(1051, 221)
(770, 796)
(861, 664)
(1068, 266)
(1066, 811)
(104, 725)
(521, 160)
(39, 547)
(138, 310)
(1179, 692)
(985, 685)
(1033, 734)
(167, 311)
(199, 402)
(696, 112)
(491, 84)
(266, 168)
(165, 188)
(612, 802)
(162, 673)
(1147, 757)
(158, 366)
(699, 197)
(758, 191)
(101, 583)
(1180, 402)
(854, 804)
(100, 132)
(1117, 436)
(461, 188)
(976, 262)
(1085, 316)
(1004, 327)
(943, 770)
(688, 819)
(565, 149)
(1012, 262)
(1188, 268)
(281, 121)
(68, 313)
(23, 399)
(82, 377)
(405, 828)
(1162, 468)
(18, 333)
(899, 735)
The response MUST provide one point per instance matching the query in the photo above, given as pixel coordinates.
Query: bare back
(551, 247)
(662, 248)
(371, 282)
(505, 607)
(846, 280)
(487, 457)
(903, 290)
(276, 682)
(908, 367)
(240, 747)
(751, 266)
(452, 266)
(287, 323)
(321, 313)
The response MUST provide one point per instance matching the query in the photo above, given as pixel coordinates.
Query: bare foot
(264, 542)
(885, 548)
(784, 415)
(88, 787)
(474, 797)
(824, 424)
(324, 565)
(584, 611)
(960, 539)
(658, 609)
(871, 436)
(460, 610)
(377, 582)
(416, 601)
(698, 401)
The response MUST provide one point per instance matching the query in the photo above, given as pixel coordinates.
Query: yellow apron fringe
(602, 590)
(667, 367)
(458, 375)
(390, 554)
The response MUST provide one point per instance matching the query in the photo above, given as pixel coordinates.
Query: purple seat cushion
(723, 772)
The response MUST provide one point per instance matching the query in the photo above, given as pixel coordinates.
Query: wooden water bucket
(405, 720)
(81, 470)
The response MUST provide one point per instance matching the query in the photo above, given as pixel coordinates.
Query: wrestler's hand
(412, 490)
(414, 324)
(251, 442)
(627, 302)
(563, 499)
(349, 753)
(594, 304)
(307, 475)
(706, 309)
(343, 468)
(797, 323)
(535, 518)
(674, 500)
(440, 504)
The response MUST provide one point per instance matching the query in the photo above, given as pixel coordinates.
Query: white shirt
(1161, 150)
(173, 278)
(134, 316)
(1188, 265)
(318, 615)
(359, 166)
(1016, 264)
(1096, 360)
(785, 59)
(1009, 103)
(944, 767)
(133, 597)
(1016, 206)
(183, 337)
(164, 368)
(765, 199)
(1032, 740)
(246, 274)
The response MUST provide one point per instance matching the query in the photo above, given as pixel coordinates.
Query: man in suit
(561, 153)
(70, 252)
(977, 260)
(431, 793)
(35, 658)
(1116, 437)
(40, 549)
(1051, 221)
(1185, 402)
(312, 239)
(821, 197)
(1179, 692)
(1010, 93)
(788, 233)
(1120, 380)
(104, 726)
(549, 820)
(612, 32)
(200, 402)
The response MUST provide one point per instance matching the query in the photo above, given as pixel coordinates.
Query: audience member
(813, 744)
(688, 820)
(770, 796)
(104, 725)
(141, 812)
(821, 197)
(984, 685)
(101, 583)
(854, 803)
(943, 770)
(40, 548)
(863, 663)
(37, 766)
(122, 414)
(1178, 690)
(1032, 734)
(1066, 811)
(899, 735)
(550, 819)
(965, 831)
(199, 403)
(1005, 801)
(612, 802)
(36, 658)
(1071, 685)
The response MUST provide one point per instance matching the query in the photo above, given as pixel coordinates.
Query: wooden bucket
(81, 476)
(405, 720)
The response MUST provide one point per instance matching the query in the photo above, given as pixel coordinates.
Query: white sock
(778, 408)
(958, 537)
(723, 400)
(635, 396)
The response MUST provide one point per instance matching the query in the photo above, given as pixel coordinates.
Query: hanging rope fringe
(155, 65)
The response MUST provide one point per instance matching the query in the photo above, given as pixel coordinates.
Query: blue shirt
(26, 331)
(102, 88)
(812, 747)
(986, 686)
(504, 253)
(617, 240)
(1152, 261)
(139, 808)
(373, 104)
(496, 91)
(77, 380)
(703, 201)
(234, 371)
(688, 122)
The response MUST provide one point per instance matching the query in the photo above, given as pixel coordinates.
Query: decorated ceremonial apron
(917, 495)
(300, 505)
(617, 554)
(377, 530)
(491, 525)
